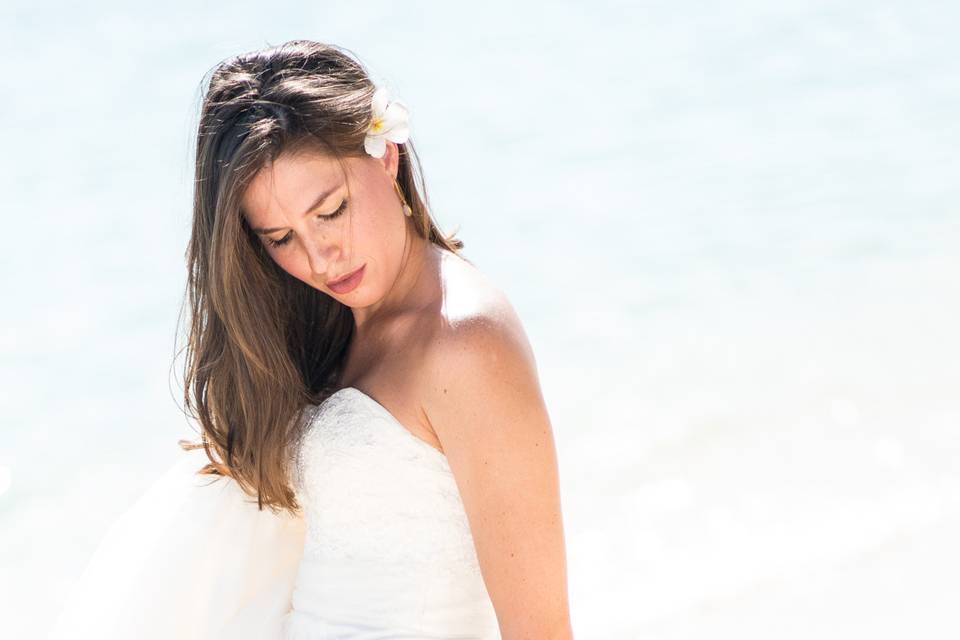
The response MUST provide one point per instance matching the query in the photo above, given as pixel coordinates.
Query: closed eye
(281, 241)
(285, 239)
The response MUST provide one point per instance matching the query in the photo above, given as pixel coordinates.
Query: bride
(375, 457)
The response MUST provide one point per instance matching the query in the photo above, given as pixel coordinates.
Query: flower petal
(375, 146)
(396, 112)
(380, 99)
(398, 134)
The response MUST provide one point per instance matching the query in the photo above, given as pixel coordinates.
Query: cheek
(292, 263)
(383, 234)
(383, 243)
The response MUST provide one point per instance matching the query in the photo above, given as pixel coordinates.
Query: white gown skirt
(192, 558)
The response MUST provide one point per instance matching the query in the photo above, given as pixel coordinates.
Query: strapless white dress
(384, 548)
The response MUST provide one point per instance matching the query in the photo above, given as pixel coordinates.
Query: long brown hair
(261, 344)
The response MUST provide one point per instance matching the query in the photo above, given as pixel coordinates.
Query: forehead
(289, 184)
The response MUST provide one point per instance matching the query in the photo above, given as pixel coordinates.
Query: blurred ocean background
(731, 231)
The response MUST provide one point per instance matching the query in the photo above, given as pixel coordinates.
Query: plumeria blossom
(390, 121)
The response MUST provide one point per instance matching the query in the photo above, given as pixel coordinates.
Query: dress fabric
(388, 551)
(383, 549)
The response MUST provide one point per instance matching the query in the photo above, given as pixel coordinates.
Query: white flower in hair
(390, 121)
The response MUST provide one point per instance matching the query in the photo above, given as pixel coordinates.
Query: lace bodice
(388, 551)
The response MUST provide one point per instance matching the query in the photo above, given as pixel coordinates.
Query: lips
(347, 283)
(342, 279)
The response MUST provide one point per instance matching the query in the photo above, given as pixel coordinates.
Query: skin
(443, 350)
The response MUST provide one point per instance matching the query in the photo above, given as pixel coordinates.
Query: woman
(354, 373)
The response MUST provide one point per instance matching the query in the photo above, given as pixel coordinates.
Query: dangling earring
(407, 211)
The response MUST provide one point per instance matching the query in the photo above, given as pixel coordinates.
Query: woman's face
(317, 232)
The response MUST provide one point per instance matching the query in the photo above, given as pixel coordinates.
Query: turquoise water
(731, 234)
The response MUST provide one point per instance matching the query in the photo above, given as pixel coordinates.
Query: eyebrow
(316, 203)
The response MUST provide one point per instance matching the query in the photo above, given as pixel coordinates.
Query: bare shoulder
(484, 403)
(478, 321)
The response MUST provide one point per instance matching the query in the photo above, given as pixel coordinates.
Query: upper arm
(487, 409)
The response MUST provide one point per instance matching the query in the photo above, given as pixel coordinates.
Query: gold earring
(407, 211)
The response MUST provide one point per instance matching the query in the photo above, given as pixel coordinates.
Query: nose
(321, 255)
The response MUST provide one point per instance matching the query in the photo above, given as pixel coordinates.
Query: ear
(391, 160)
